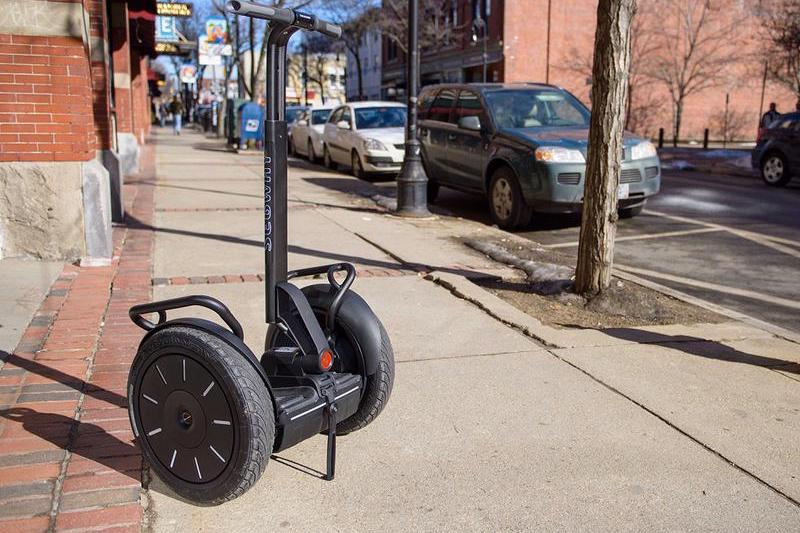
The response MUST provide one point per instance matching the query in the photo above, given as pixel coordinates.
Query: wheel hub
(185, 418)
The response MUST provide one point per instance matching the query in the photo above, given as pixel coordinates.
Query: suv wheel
(506, 204)
(774, 170)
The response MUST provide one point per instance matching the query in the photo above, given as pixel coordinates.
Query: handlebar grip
(287, 16)
(251, 9)
(327, 28)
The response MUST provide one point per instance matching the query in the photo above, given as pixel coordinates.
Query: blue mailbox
(252, 122)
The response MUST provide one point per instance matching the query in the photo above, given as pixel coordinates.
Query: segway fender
(357, 315)
(219, 331)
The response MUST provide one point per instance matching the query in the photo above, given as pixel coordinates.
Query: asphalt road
(729, 240)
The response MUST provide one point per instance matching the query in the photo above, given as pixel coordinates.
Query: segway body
(206, 412)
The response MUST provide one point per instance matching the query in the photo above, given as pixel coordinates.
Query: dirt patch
(545, 293)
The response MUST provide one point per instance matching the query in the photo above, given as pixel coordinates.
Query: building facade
(370, 60)
(552, 42)
(74, 112)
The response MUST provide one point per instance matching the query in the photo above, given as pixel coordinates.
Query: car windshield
(292, 113)
(320, 117)
(532, 108)
(380, 117)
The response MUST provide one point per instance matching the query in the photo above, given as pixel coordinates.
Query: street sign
(217, 30)
(173, 9)
(210, 53)
(187, 73)
(166, 32)
(169, 49)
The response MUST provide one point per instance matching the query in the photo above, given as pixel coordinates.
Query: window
(380, 117)
(440, 110)
(468, 105)
(336, 116)
(531, 108)
(424, 104)
(346, 116)
(319, 117)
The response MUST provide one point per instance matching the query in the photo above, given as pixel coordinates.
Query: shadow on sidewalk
(134, 223)
(102, 447)
(702, 348)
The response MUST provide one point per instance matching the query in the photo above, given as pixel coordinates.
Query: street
(728, 240)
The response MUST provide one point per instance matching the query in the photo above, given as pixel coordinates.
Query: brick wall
(572, 27)
(45, 99)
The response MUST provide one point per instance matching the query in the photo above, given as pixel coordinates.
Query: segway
(206, 412)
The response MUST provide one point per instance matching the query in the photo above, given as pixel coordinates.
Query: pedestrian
(176, 108)
(163, 112)
(770, 116)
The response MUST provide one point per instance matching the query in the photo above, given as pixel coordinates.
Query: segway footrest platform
(303, 402)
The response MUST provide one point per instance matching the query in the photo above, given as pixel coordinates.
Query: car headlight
(373, 144)
(643, 150)
(556, 154)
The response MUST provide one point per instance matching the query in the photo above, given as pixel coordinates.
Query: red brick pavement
(67, 457)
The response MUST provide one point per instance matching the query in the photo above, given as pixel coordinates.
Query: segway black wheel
(202, 415)
(362, 347)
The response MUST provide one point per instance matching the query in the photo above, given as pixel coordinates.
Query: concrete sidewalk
(496, 422)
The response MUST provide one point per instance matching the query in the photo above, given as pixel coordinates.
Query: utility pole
(412, 183)
(305, 73)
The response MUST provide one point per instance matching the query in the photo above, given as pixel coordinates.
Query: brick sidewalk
(67, 458)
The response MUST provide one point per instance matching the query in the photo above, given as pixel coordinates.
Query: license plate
(623, 191)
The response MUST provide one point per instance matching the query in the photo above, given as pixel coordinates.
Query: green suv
(523, 146)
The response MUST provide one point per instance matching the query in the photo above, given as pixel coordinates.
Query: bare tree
(781, 22)
(644, 104)
(357, 18)
(611, 66)
(253, 33)
(730, 124)
(437, 29)
(319, 49)
(698, 38)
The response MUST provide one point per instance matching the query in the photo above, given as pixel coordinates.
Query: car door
(300, 132)
(793, 148)
(331, 133)
(467, 149)
(346, 138)
(433, 134)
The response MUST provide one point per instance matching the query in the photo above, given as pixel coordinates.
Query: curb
(68, 460)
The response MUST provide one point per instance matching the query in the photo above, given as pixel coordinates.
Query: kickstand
(331, 409)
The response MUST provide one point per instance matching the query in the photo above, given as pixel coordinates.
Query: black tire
(360, 340)
(326, 157)
(209, 406)
(356, 166)
(506, 204)
(433, 191)
(775, 170)
(310, 152)
(630, 212)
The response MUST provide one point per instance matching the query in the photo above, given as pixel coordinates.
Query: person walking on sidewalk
(176, 108)
(770, 116)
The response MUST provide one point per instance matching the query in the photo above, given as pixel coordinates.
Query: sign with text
(166, 32)
(173, 9)
(187, 73)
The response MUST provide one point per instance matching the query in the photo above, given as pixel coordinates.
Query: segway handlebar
(285, 16)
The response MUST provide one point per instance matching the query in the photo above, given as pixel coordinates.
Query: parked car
(307, 132)
(368, 136)
(523, 146)
(291, 115)
(777, 151)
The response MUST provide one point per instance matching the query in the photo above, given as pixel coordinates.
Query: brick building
(552, 41)
(74, 110)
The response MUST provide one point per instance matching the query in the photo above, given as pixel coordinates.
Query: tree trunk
(253, 66)
(678, 118)
(612, 57)
(357, 57)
